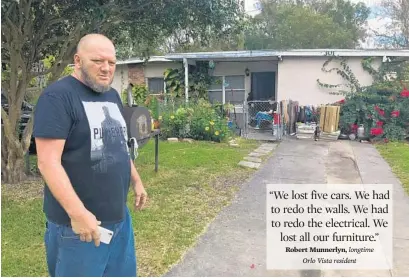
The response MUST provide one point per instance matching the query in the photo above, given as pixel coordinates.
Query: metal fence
(263, 120)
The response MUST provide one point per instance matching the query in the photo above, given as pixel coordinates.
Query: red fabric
(276, 119)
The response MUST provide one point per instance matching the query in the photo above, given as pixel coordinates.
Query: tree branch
(20, 12)
(8, 130)
(50, 41)
(28, 26)
(13, 27)
(26, 137)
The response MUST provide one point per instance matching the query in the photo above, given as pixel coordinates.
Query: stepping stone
(254, 154)
(189, 140)
(263, 151)
(253, 159)
(268, 146)
(249, 164)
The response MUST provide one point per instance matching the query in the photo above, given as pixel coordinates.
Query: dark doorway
(263, 85)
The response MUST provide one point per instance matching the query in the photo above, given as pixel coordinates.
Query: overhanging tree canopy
(284, 24)
(33, 29)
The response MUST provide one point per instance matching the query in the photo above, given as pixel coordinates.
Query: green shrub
(199, 121)
(139, 94)
(382, 107)
(384, 114)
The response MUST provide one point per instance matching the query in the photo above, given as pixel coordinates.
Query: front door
(263, 85)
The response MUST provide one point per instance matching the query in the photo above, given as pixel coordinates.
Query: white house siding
(297, 79)
(121, 81)
(158, 69)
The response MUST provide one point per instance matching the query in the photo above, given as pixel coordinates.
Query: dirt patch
(227, 185)
(231, 179)
(30, 189)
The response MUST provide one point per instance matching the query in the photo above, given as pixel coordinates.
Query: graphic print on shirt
(108, 134)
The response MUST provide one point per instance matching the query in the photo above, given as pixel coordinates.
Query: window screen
(216, 90)
(155, 85)
(234, 90)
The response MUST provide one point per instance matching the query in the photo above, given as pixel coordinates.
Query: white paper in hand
(106, 235)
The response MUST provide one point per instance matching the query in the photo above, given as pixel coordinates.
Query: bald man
(83, 156)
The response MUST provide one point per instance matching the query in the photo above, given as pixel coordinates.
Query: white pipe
(224, 90)
(186, 79)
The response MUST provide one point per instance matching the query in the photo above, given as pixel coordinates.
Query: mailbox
(139, 124)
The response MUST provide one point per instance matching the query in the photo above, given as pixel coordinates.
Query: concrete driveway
(234, 243)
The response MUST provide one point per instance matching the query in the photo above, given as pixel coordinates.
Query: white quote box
(295, 241)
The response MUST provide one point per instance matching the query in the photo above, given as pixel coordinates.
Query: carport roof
(269, 55)
(274, 54)
(140, 61)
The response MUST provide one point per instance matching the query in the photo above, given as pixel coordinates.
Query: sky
(375, 21)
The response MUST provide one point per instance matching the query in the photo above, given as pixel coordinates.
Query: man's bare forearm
(135, 178)
(61, 188)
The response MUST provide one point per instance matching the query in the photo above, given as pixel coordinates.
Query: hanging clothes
(308, 114)
(301, 115)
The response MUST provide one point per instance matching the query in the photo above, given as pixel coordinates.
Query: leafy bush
(139, 94)
(382, 108)
(383, 114)
(199, 121)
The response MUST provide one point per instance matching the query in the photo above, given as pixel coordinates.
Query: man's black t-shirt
(95, 156)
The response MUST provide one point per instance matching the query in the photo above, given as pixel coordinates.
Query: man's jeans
(67, 255)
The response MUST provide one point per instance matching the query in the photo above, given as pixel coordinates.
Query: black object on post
(139, 124)
(156, 151)
(139, 128)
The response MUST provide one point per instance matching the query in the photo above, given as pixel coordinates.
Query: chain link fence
(263, 120)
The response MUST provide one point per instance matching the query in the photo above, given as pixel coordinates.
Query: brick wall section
(136, 74)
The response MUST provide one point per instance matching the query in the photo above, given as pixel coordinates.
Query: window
(234, 89)
(155, 85)
(216, 90)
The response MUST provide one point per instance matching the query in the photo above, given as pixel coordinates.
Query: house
(259, 75)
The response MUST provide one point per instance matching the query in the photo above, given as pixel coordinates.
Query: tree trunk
(13, 169)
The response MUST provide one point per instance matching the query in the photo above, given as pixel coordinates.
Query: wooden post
(156, 152)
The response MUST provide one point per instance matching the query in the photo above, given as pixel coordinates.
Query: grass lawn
(195, 180)
(397, 156)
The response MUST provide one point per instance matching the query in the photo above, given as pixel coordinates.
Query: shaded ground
(234, 244)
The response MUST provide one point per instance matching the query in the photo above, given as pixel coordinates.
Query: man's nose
(105, 66)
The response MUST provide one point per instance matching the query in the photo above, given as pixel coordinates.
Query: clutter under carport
(310, 122)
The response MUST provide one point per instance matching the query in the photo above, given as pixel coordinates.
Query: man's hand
(86, 225)
(140, 195)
